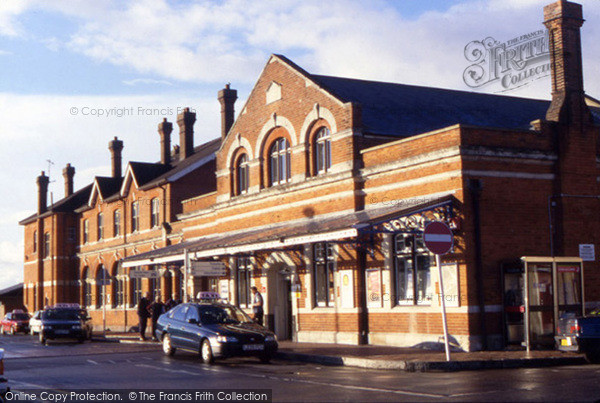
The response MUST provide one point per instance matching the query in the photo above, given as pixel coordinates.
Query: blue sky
(155, 54)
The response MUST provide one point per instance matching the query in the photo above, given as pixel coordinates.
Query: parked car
(14, 322)
(63, 323)
(214, 329)
(35, 323)
(581, 334)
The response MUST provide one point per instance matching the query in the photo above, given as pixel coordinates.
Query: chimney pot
(42, 182)
(115, 146)
(164, 130)
(68, 174)
(186, 120)
(227, 98)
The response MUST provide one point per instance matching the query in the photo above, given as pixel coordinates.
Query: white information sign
(587, 252)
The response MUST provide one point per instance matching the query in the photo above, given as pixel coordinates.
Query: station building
(318, 194)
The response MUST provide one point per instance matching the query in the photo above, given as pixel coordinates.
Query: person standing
(157, 308)
(257, 306)
(143, 314)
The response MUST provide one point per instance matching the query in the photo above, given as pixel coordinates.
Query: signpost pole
(186, 268)
(439, 240)
(103, 302)
(438, 262)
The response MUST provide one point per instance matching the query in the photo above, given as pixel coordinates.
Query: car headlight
(76, 327)
(270, 337)
(226, 339)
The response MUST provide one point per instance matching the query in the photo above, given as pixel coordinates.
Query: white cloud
(145, 81)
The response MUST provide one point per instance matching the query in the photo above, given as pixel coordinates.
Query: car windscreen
(60, 315)
(20, 316)
(210, 315)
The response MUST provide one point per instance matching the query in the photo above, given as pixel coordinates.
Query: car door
(175, 325)
(192, 328)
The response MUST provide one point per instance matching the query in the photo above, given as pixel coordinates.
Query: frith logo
(512, 64)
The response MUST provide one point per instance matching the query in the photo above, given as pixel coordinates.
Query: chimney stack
(68, 174)
(164, 130)
(186, 120)
(42, 182)
(563, 20)
(227, 98)
(115, 146)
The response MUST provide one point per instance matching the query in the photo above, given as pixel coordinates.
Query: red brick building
(318, 194)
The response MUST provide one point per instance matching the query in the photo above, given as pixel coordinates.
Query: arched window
(135, 217)
(322, 151)
(280, 167)
(102, 280)
(118, 288)
(100, 226)
(241, 175)
(86, 287)
(86, 231)
(116, 223)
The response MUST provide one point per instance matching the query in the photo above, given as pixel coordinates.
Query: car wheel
(2, 330)
(12, 331)
(206, 352)
(592, 354)
(167, 345)
(31, 332)
(42, 338)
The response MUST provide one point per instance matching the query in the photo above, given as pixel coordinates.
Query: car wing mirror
(192, 321)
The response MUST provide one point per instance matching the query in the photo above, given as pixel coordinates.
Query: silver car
(35, 323)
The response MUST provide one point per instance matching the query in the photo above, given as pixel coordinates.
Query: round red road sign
(438, 237)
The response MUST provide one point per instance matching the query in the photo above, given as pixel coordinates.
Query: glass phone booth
(537, 292)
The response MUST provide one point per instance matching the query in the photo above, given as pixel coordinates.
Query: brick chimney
(42, 182)
(164, 130)
(564, 20)
(186, 120)
(227, 98)
(68, 174)
(115, 146)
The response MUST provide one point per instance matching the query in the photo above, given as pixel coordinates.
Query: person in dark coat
(143, 314)
(157, 308)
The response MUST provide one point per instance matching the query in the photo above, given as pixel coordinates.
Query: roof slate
(405, 110)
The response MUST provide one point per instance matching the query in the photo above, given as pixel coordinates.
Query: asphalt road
(104, 366)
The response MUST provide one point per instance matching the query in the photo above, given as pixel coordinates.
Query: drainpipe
(475, 187)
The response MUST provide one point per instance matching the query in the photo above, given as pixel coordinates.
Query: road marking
(93, 362)
(287, 379)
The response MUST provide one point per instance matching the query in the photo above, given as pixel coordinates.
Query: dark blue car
(214, 329)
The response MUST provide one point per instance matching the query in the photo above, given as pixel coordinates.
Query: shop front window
(412, 270)
(324, 269)
(244, 267)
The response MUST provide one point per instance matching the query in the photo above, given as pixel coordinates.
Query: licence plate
(253, 347)
(61, 332)
(566, 342)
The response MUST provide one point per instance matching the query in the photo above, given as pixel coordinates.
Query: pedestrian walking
(143, 314)
(156, 308)
(257, 306)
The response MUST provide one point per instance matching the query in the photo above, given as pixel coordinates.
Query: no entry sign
(438, 238)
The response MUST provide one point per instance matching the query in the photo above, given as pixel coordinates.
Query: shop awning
(288, 236)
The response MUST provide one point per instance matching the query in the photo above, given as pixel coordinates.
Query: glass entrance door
(541, 304)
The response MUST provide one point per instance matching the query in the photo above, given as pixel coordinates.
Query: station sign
(143, 274)
(207, 269)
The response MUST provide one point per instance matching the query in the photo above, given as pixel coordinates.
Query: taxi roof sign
(66, 305)
(208, 295)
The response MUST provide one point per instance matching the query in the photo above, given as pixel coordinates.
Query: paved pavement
(408, 359)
